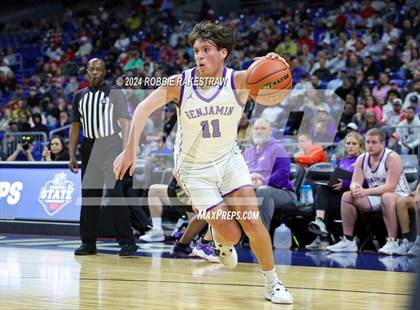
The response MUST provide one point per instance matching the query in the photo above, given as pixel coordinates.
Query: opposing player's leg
(244, 202)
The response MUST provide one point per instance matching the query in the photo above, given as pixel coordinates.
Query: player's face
(208, 58)
(352, 147)
(374, 146)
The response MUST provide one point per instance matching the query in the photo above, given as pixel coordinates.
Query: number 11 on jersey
(206, 130)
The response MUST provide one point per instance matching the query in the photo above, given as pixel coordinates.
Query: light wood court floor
(53, 279)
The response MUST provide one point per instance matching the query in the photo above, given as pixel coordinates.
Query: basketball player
(208, 162)
(383, 171)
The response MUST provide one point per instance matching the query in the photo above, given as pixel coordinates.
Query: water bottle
(303, 195)
(310, 195)
(334, 160)
(282, 237)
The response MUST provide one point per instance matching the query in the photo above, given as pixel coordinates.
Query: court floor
(41, 272)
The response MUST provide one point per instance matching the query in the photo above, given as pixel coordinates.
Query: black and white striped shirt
(98, 111)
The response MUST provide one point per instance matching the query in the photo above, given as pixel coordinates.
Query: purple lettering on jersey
(220, 110)
(206, 112)
(211, 111)
(199, 112)
(216, 128)
(187, 114)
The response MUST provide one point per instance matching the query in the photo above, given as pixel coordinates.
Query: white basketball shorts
(207, 185)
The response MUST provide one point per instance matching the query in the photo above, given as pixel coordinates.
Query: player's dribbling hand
(123, 163)
(272, 55)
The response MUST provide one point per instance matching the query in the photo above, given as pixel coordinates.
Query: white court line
(27, 240)
(52, 242)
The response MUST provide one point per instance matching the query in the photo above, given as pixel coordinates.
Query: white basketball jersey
(207, 120)
(377, 177)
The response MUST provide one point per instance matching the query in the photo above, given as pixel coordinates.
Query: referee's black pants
(97, 175)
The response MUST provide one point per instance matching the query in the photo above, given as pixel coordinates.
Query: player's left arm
(395, 169)
(240, 76)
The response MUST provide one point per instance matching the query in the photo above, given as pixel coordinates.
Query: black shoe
(181, 251)
(85, 249)
(128, 249)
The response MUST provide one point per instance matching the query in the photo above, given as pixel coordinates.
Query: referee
(102, 115)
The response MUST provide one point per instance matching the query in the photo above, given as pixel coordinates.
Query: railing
(56, 131)
(12, 139)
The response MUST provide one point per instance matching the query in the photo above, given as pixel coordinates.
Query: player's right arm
(358, 175)
(154, 101)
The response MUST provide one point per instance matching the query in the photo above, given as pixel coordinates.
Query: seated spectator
(309, 153)
(393, 117)
(388, 102)
(410, 132)
(57, 150)
(403, 205)
(23, 152)
(38, 126)
(369, 69)
(328, 198)
(372, 105)
(359, 118)
(415, 92)
(269, 165)
(324, 129)
(382, 169)
(380, 91)
(371, 122)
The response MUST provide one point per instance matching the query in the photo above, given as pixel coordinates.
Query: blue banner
(39, 193)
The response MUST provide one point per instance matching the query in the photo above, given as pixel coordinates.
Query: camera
(26, 141)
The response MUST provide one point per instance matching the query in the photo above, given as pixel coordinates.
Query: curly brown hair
(220, 35)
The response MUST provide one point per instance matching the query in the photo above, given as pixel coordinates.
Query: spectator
(369, 69)
(85, 47)
(381, 90)
(38, 126)
(390, 62)
(328, 198)
(23, 152)
(393, 117)
(122, 43)
(57, 150)
(309, 153)
(415, 92)
(360, 117)
(269, 166)
(372, 106)
(410, 132)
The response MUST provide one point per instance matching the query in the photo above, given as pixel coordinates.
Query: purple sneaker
(206, 251)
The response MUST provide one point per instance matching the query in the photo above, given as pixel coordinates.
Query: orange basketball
(269, 81)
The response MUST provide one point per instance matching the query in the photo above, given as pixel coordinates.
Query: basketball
(269, 81)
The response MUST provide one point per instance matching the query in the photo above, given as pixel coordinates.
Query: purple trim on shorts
(215, 94)
(349, 203)
(235, 189)
(214, 206)
(235, 93)
(181, 93)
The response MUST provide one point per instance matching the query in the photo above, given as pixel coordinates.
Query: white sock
(270, 277)
(157, 223)
(417, 239)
